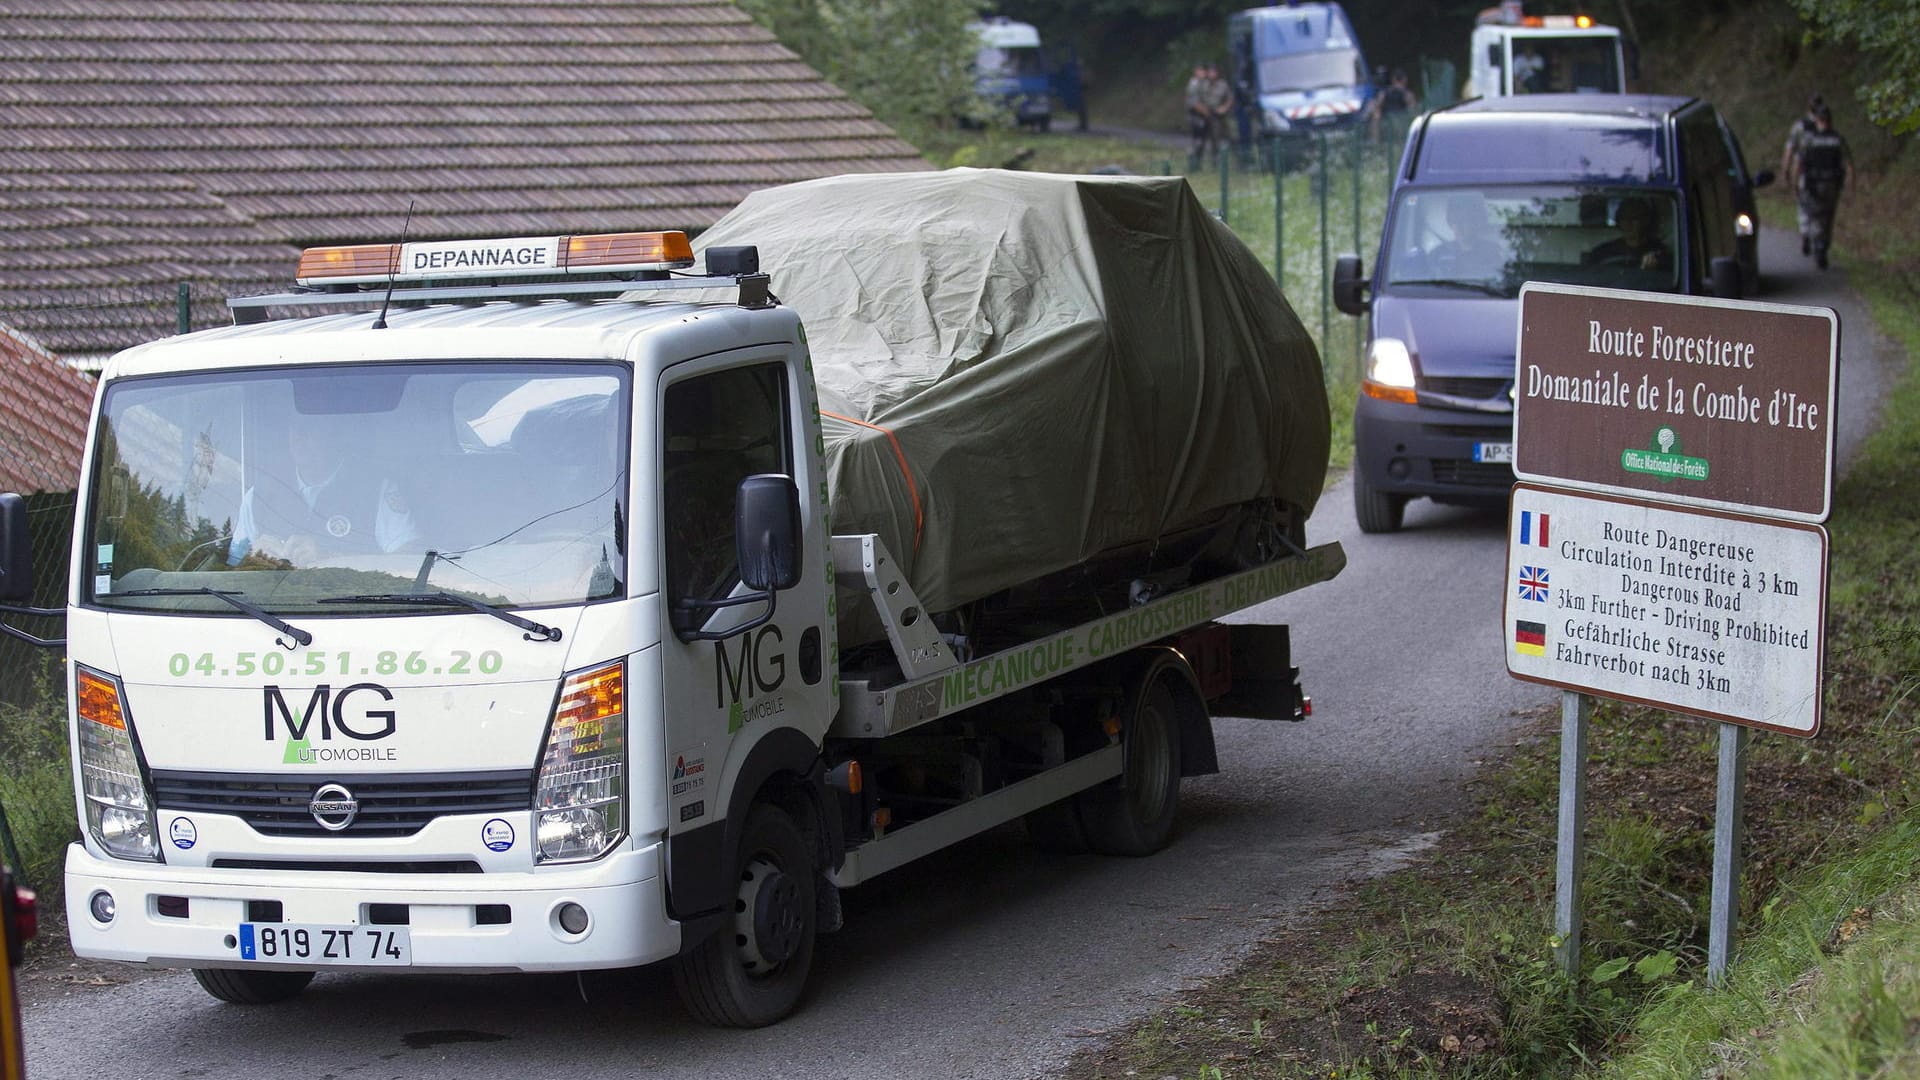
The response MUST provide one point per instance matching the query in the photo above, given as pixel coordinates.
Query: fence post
(1279, 215)
(183, 307)
(1224, 162)
(1324, 329)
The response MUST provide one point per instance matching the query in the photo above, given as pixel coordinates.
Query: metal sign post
(1724, 916)
(1570, 856)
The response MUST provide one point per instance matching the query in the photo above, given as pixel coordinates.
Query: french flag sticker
(1533, 529)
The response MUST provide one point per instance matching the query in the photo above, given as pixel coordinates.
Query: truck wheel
(1377, 511)
(251, 987)
(751, 973)
(1133, 813)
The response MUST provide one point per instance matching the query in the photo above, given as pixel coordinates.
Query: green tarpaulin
(1021, 371)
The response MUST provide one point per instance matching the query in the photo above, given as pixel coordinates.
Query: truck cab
(1619, 191)
(1545, 54)
(1298, 69)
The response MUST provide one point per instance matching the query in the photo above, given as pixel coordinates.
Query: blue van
(1298, 69)
(1623, 191)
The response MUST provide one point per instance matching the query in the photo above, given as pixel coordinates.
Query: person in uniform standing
(1218, 99)
(1821, 169)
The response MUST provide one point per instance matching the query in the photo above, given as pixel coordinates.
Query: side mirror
(1726, 282)
(1493, 56)
(16, 551)
(1763, 178)
(767, 532)
(1349, 287)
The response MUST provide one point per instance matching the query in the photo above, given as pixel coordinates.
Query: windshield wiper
(1449, 283)
(534, 631)
(301, 637)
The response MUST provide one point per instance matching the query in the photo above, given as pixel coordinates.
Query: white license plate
(1498, 453)
(309, 943)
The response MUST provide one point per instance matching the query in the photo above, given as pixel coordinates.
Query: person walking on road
(1821, 170)
(1802, 127)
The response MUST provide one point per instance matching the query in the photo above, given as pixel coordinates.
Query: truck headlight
(579, 802)
(1389, 374)
(1743, 224)
(119, 814)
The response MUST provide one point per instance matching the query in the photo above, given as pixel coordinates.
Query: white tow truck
(433, 618)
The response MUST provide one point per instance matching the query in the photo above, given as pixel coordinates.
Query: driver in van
(1639, 245)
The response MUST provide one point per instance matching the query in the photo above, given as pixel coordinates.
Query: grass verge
(36, 791)
(1445, 968)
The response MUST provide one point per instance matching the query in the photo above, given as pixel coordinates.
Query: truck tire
(752, 972)
(246, 987)
(1133, 813)
(1376, 511)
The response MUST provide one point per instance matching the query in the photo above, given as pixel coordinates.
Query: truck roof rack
(516, 268)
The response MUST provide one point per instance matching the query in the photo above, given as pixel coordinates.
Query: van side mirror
(16, 551)
(767, 532)
(1726, 282)
(1349, 287)
(1493, 56)
(1763, 178)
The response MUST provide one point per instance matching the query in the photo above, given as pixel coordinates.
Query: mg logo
(333, 807)
(335, 713)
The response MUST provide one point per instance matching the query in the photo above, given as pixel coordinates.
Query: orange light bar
(98, 700)
(355, 261)
(1403, 394)
(663, 249)
(1583, 21)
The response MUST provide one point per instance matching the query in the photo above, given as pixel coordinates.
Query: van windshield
(1490, 241)
(501, 482)
(1547, 65)
(1317, 70)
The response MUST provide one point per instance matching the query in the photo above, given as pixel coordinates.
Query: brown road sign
(1719, 403)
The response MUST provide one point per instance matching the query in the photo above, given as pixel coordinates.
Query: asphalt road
(989, 960)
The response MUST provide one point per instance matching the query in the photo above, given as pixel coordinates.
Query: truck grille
(1475, 389)
(390, 804)
(1472, 473)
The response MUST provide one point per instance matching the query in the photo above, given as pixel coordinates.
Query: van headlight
(1389, 372)
(579, 801)
(119, 813)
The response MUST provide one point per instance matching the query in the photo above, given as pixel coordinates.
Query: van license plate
(1497, 453)
(309, 943)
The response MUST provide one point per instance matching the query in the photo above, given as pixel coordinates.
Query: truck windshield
(1317, 70)
(1585, 65)
(503, 482)
(1447, 241)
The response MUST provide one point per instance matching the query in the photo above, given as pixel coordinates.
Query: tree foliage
(1888, 31)
(910, 61)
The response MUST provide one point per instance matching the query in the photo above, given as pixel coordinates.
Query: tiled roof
(43, 417)
(151, 142)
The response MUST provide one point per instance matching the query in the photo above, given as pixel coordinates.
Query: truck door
(728, 690)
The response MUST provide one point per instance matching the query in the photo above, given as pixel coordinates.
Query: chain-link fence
(28, 671)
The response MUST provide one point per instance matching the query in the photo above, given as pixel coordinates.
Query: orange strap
(913, 490)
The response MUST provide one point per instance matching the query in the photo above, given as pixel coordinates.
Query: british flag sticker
(1533, 583)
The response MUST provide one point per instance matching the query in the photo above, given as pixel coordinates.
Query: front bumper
(1403, 449)
(623, 894)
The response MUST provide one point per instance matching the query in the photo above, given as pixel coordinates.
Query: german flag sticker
(1530, 637)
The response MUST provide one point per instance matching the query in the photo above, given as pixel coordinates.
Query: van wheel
(1377, 511)
(752, 972)
(1133, 813)
(239, 987)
